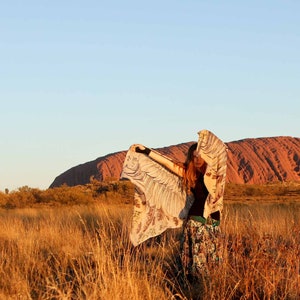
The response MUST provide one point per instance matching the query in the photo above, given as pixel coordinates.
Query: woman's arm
(159, 158)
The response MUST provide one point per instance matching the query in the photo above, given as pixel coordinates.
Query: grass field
(82, 251)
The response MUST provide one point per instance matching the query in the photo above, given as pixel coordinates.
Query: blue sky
(82, 79)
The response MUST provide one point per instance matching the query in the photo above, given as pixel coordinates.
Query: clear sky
(82, 79)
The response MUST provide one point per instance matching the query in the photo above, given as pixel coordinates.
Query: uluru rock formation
(263, 160)
(252, 160)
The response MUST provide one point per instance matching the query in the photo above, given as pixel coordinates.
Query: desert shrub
(115, 191)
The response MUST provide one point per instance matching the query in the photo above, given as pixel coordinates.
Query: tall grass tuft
(84, 252)
(78, 253)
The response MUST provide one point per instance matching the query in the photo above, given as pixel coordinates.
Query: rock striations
(253, 161)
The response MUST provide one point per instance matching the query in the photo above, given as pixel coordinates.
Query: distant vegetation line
(122, 192)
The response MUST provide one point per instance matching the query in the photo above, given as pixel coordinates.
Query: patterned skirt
(199, 247)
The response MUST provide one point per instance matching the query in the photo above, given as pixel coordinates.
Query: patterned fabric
(214, 152)
(160, 201)
(199, 247)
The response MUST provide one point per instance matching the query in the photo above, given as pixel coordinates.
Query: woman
(199, 239)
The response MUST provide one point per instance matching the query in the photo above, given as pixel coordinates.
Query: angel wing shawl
(160, 202)
(214, 152)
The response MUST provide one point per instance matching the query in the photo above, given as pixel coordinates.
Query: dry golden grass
(84, 252)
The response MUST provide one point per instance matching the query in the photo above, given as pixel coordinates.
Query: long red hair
(190, 174)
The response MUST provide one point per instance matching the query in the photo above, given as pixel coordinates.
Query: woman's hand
(140, 149)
